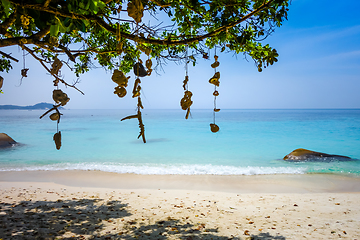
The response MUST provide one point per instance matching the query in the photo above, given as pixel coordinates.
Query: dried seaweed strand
(137, 93)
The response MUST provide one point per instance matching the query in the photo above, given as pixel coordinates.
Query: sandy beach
(99, 205)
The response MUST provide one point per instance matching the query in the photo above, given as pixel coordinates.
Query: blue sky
(319, 67)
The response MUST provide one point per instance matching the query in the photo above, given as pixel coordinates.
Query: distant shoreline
(38, 106)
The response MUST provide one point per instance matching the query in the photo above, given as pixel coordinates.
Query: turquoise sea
(249, 142)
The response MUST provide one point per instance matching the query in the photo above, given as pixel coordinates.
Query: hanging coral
(138, 71)
(135, 10)
(186, 102)
(55, 116)
(215, 81)
(139, 117)
(61, 99)
(214, 128)
(57, 140)
(120, 91)
(24, 72)
(216, 63)
(56, 66)
(148, 65)
(120, 78)
(122, 81)
(137, 88)
(185, 82)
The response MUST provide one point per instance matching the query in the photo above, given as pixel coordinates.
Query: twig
(8, 56)
(47, 69)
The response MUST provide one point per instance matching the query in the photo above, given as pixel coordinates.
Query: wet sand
(280, 183)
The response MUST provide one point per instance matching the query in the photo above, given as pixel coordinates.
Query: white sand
(87, 205)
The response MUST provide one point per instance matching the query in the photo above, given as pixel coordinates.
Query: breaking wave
(162, 169)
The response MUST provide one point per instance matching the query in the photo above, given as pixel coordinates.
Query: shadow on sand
(96, 219)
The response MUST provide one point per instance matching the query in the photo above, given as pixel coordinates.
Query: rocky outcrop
(306, 155)
(6, 141)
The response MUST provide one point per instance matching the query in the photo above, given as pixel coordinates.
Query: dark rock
(301, 154)
(6, 141)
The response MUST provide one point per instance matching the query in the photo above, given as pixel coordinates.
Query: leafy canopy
(89, 31)
(114, 34)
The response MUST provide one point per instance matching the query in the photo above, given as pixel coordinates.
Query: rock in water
(301, 154)
(6, 141)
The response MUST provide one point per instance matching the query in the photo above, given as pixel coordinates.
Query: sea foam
(161, 169)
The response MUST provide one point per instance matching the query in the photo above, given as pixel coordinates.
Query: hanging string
(24, 70)
(23, 59)
(186, 81)
(187, 62)
(214, 107)
(214, 113)
(119, 46)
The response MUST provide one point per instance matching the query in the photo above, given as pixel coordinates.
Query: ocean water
(249, 142)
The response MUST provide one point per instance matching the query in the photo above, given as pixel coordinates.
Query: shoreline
(277, 183)
(100, 205)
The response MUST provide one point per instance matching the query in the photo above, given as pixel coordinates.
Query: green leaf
(96, 5)
(87, 4)
(54, 30)
(69, 7)
(93, 7)
(62, 27)
(67, 22)
(79, 25)
(101, 4)
(6, 4)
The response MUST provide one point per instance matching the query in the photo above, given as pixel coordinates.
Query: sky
(318, 67)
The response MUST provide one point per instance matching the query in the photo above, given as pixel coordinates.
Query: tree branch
(42, 33)
(24, 40)
(136, 38)
(68, 53)
(47, 69)
(169, 42)
(8, 56)
(46, 3)
(7, 23)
